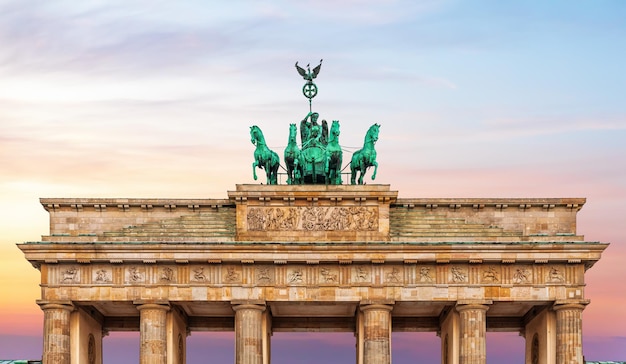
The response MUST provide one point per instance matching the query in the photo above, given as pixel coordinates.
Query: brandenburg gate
(313, 255)
(312, 258)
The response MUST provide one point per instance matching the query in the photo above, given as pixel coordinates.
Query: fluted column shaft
(249, 334)
(473, 333)
(569, 333)
(56, 333)
(153, 333)
(376, 334)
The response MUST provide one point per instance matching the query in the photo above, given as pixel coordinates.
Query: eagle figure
(307, 74)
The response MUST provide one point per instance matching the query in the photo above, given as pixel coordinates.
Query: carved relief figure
(295, 276)
(425, 275)
(69, 275)
(394, 275)
(198, 275)
(361, 274)
(134, 275)
(491, 275)
(555, 275)
(329, 276)
(521, 275)
(458, 275)
(102, 276)
(263, 274)
(231, 275)
(167, 274)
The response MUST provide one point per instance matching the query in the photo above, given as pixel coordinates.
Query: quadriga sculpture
(264, 157)
(365, 157)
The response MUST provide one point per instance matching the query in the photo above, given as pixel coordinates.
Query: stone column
(569, 333)
(56, 333)
(153, 333)
(473, 333)
(249, 330)
(376, 334)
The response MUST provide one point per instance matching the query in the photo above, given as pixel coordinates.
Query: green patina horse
(334, 156)
(365, 157)
(264, 157)
(292, 158)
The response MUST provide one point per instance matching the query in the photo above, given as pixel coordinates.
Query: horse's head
(372, 133)
(334, 129)
(293, 132)
(254, 134)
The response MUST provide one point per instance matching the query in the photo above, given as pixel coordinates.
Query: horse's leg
(254, 164)
(275, 173)
(338, 169)
(375, 164)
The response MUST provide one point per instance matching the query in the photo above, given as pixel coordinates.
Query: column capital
(153, 306)
(51, 305)
(570, 305)
(248, 306)
(484, 305)
(376, 306)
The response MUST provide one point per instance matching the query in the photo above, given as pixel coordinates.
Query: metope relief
(198, 275)
(135, 275)
(555, 275)
(69, 275)
(361, 274)
(393, 275)
(425, 275)
(231, 275)
(490, 275)
(102, 276)
(166, 274)
(264, 275)
(329, 276)
(458, 275)
(317, 218)
(522, 275)
(295, 275)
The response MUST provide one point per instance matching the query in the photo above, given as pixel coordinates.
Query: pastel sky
(138, 98)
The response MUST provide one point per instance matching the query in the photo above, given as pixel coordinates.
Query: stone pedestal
(153, 333)
(56, 333)
(569, 333)
(376, 334)
(473, 333)
(249, 333)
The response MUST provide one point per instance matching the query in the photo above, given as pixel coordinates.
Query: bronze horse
(292, 158)
(365, 157)
(264, 157)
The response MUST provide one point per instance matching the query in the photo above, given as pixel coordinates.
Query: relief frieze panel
(264, 275)
(329, 275)
(167, 275)
(135, 274)
(102, 276)
(313, 218)
(458, 274)
(522, 275)
(426, 275)
(393, 275)
(361, 274)
(199, 275)
(295, 275)
(231, 275)
(69, 275)
(491, 274)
